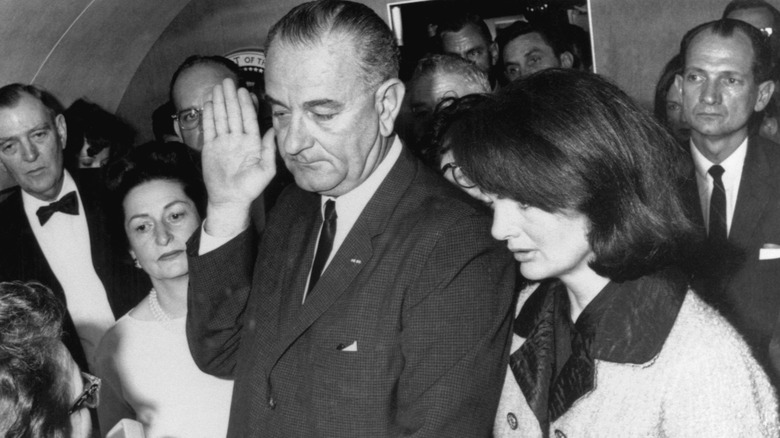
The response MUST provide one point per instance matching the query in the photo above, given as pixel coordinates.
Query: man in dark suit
(54, 229)
(735, 188)
(389, 314)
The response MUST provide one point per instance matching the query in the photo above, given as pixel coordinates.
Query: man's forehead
(733, 49)
(328, 70)
(28, 109)
(528, 42)
(469, 35)
(196, 83)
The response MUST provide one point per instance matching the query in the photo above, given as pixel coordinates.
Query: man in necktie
(376, 303)
(725, 85)
(53, 230)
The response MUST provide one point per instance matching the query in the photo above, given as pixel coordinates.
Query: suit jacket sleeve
(220, 282)
(456, 328)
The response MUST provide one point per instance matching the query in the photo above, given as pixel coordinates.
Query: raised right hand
(237, 164)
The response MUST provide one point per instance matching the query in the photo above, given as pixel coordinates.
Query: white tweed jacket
(703, 383)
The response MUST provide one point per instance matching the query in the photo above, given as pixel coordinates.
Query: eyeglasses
(88, 397)
(189, 118)
(457, 174)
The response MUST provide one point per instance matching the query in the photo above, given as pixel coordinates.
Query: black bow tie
(69, 204)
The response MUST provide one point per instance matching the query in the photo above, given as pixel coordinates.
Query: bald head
(191, 88)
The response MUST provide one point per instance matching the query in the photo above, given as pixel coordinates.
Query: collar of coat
(625, 323)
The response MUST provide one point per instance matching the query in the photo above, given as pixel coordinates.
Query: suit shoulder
(435, 194)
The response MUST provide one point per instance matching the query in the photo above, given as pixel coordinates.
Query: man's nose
(296, 136)
(29, 150)
(711, 93)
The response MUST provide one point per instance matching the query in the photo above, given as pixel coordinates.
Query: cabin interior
(121, 55)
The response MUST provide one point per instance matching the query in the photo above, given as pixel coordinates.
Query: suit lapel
(354, 254)
(755, 191)
(303, 235)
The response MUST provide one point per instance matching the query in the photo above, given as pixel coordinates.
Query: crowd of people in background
(506, 243)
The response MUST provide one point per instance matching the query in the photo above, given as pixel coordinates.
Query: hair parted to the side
(154, 161)
(563, 141)
(34, 390)
(12, 93)
(309, 23)
(726, 28)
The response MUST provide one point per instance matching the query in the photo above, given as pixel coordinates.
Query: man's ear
(388, 100)
(62, 129)
(765, 91)
(493, 53)
(567, 59)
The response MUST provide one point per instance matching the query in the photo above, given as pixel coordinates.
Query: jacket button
(271, 403)
(512, 420)
(559, 434)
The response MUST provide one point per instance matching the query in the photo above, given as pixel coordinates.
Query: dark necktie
(325, 243)
(68, 204)
(718, 231)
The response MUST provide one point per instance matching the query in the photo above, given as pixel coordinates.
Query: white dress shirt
(65, 243)
(732, 175)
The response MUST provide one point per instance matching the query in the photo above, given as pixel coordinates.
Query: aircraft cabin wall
(121, 54)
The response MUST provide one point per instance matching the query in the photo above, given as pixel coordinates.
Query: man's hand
(237, 164)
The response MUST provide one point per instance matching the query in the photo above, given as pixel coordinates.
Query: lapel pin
(356, 261)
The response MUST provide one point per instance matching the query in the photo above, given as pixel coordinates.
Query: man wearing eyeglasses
(191, 87)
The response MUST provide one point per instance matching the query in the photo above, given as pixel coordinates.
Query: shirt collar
(32, 204)
(351, 204)
(732, 165)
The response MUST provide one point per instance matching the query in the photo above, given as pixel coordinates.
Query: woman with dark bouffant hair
(611, 340)
(144, 360)
(43, 394)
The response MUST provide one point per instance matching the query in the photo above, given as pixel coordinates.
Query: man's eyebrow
(38, 127)
(273, 101)
(326, 103)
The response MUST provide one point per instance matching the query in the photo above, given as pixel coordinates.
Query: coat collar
(626, 323)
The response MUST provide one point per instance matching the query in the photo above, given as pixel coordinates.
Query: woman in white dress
(144, 359)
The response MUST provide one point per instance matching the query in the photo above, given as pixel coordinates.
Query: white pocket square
(350, 347)
(769, 253)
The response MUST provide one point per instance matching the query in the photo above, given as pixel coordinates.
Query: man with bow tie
(52, 229)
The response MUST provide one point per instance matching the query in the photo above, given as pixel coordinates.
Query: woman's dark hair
(34, 389)
(448, 110)
(153, 161)
(567, 140)
(102, 129)
(665, 82)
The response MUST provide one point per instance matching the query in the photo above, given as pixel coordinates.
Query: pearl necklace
(157, 311)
